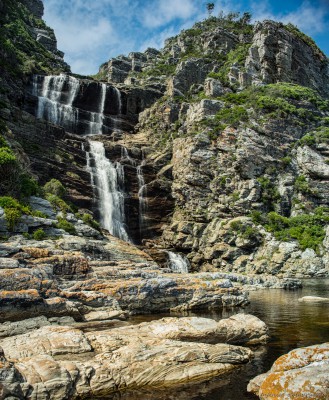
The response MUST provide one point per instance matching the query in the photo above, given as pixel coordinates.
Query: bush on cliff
(307, 229)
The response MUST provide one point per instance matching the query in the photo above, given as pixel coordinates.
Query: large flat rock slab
(60, 362)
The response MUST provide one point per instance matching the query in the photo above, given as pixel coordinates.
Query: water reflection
(292, 324)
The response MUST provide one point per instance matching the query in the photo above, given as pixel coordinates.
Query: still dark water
(292, 324)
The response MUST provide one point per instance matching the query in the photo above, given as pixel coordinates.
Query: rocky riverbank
(65, 363)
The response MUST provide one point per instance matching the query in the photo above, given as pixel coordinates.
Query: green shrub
(39, 214)
(39, 234)
(306, 39)
(319, 135)
(13, 215)
(7, 156)
(58, 203)
(29, 186)
(55, 187)
(13, 211)
(3, 142)
(9, 202)
(307, 229)
(88, 219)
(286, 161)
(302, 186)
(244, 230)
(66, 226)
(270, 193)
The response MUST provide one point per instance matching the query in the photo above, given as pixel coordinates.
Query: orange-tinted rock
(301, 374)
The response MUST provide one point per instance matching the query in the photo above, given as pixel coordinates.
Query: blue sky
(90, 32)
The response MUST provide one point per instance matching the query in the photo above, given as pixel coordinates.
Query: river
(292, 324)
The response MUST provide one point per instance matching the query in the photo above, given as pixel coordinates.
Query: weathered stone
(277, 55)
(42, 205)
(313, 299)
(214, 88)
(302, 373)
(99, 363)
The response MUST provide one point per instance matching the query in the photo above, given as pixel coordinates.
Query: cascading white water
(97, 118)
(141, 197)
(106, 178)
(50, 104)
(55, 104)
(118, 95)
(115, 120)
(178, 263)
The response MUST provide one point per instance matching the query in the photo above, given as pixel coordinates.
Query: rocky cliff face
(215, 147)
(247, 168)
(228, 160)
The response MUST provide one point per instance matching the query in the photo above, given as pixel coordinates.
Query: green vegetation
(58, 203)
(233, 22)
(13, 211)
(234, 56)
(270, 193)
(307, 229)
(273, 101)
(286, 161)
(66, 226)
(55, 187)
(15, 181)
(89, 220)
(160, 68)
(29, 186)
(302, 186)
(39, 234)
(279, 100)
(54, 192)
(244, 230)
(6, 156)
(319, 135)
(231, 116)
(306, 39)
(22, 54)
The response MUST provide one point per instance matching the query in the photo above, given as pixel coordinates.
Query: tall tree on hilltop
(210, 8)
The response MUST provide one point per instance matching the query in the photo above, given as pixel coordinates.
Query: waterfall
(118, 96)
(97, 118)
(141, 198)
(51, 106)
(178, 263)
(106, 178)
(115, 121)
(56, 95)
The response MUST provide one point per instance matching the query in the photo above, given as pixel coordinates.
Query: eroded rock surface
(65, 363)
(302, 373)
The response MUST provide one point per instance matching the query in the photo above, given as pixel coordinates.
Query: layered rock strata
(40, 364)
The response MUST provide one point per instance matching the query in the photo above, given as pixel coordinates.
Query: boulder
(300, 374)
(42, 205)
(313, 299)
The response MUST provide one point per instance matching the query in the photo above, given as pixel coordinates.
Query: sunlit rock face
(300, 373)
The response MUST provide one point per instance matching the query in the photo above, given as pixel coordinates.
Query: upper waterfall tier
(80, 106)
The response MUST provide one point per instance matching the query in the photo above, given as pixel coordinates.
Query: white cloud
(76, 40)
(162, 12)
(309, 18)
(92, 31)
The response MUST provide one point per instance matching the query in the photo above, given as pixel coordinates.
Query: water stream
(178, 263)
(107, 179)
